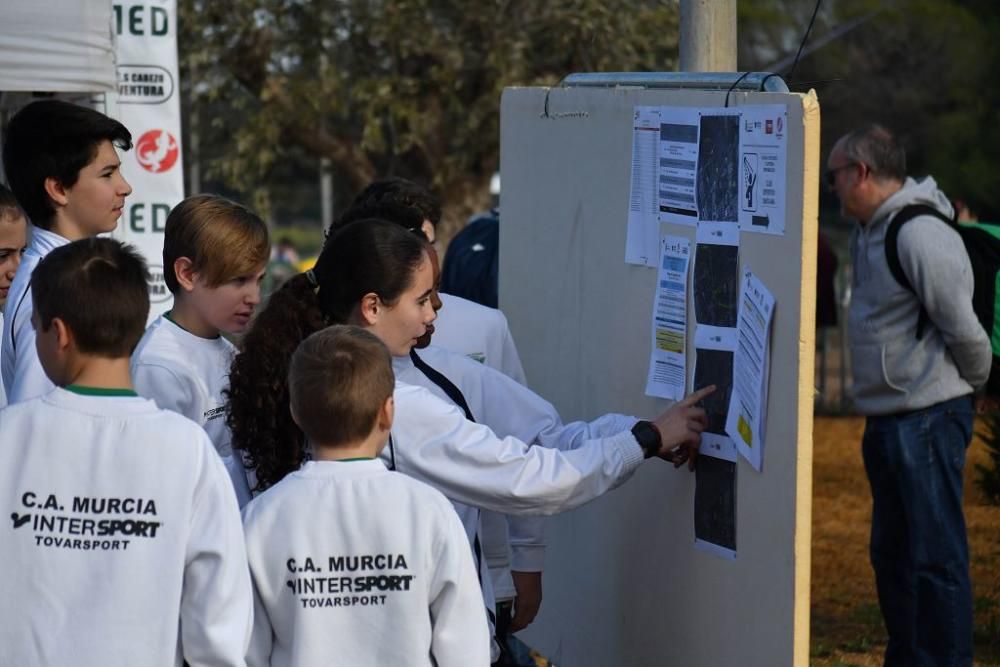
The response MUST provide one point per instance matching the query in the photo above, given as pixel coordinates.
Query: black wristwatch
(648, 437)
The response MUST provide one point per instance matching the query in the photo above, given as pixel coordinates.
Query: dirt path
(846, 624)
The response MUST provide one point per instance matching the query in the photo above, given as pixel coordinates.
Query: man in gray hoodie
(916, 391)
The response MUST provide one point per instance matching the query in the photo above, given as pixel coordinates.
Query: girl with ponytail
(379, 276)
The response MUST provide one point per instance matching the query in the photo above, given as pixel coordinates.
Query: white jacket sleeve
(29, 379)
(513, 409)
(460, 635)
(466, 461)
(510, 408)
(217, 598)
(527, 543)
(513, 542)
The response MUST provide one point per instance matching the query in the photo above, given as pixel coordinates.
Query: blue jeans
(919, 548)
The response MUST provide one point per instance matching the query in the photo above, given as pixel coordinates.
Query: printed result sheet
(667, 370)
(747, 412)
(642, 238)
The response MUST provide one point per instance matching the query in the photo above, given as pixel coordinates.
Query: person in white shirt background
(63, 168)
(214, 255)
(378, 275)
(123, 544)
(13, 243)
(379, 570)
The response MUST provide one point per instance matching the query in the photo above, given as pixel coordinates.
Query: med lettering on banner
(148, 103)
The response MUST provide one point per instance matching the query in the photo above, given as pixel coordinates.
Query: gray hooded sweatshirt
(893, 370)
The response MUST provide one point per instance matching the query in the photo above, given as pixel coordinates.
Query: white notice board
(623, 584)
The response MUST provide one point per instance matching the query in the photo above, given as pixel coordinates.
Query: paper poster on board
(715, 507)
(715, 287)
(699, 165)
(642, 237)
(763, 166)
(747, 413)
(668, 349)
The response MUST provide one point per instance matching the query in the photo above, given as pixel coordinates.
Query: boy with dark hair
(13, 242)
(215, 253)
(64, 170)
(124, 544)
(395, 584)
(399, 193)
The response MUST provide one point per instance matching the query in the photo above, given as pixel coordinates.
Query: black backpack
(982, 243)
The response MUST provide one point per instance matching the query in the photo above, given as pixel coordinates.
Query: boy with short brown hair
(214, 255)
(394, 583)
(124, 544)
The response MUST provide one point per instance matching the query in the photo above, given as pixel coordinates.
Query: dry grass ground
(846, 625)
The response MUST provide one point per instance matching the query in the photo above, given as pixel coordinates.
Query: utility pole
(708, 36)
(325, 165)
(326, 192)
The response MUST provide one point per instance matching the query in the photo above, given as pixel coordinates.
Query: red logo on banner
(768, 126)
(157, 151)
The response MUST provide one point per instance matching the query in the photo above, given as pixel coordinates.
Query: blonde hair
(222, 239)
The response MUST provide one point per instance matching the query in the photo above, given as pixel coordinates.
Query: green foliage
(407, 87)
(989, 475)
(922, 67)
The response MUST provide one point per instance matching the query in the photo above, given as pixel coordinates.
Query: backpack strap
(904, 215)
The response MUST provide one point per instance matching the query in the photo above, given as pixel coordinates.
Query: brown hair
(222, 239)
(338, 381)
(99, 288)
(9, 208)
(54, 139)
(366, 256)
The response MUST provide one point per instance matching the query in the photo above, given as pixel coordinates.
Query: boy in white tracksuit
(61, 162)
(214, 255)
(124, 544)
(378, 571)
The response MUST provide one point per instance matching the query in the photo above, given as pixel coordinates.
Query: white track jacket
(121, 539)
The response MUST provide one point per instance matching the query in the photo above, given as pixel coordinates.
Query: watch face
(647, 437)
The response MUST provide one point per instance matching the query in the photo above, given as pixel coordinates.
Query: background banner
(147, 101)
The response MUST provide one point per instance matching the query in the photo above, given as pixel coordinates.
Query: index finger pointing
(693, 398)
